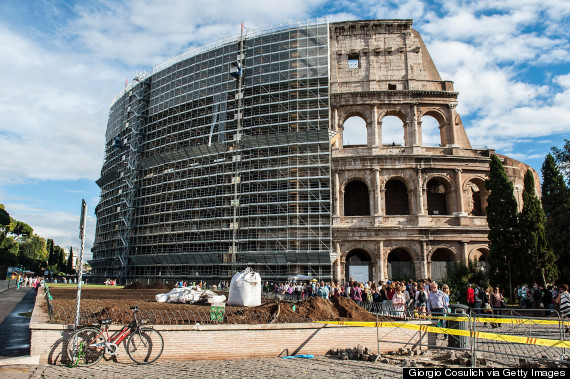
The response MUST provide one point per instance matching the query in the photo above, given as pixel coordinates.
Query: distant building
(238, 155)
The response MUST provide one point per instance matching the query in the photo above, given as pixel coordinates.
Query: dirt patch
(105, 303)
(153, 286)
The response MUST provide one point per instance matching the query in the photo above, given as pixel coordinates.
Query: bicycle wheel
(145, 346)
(86, 347)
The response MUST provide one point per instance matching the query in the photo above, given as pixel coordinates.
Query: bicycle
(89, 344)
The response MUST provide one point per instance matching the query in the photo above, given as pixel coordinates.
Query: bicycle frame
(113, 341)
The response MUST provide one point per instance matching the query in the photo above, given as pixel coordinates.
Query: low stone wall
(193, 342)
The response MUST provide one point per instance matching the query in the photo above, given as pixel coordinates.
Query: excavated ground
(115, 303)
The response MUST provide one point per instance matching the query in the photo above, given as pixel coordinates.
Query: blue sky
(62, 63)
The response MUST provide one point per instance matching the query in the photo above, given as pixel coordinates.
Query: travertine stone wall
(382, 68)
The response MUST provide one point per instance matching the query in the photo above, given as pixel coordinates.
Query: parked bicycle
(89, 344)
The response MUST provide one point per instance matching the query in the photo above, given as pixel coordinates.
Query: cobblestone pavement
(319, 367)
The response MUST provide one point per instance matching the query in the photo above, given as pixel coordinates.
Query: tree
(49, 246)
(537, 256)
(503, 224)
(69, 268)
(33, 253)
(563, 159)
(8, 246)
(61, 259)
(556, 205)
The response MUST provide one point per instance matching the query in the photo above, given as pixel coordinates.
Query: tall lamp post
(80, 275)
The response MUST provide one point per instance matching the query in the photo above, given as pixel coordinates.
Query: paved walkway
(319, 367)
(14, 329)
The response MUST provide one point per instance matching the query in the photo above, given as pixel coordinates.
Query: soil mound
(134, 286)
(341, 309)
(153, 286)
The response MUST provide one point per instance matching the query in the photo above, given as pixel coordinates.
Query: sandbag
(245, 289)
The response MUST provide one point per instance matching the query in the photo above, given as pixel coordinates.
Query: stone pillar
(381, 263)
(335, 127)
(338, 270)
(377, 200)
(420, 197)
(452, 133)
(459, 193)
(375, 127)
(464, 253)
(424, 268)
(336, 194)
(415, 132)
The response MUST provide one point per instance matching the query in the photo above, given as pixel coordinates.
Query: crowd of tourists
(29, 281)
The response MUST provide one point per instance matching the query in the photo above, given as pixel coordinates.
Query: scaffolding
(212, 177)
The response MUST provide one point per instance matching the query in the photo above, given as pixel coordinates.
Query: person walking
(563, 300)
(497, 302)
(399, 302)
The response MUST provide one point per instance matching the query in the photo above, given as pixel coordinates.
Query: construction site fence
(503, 336)
(7, 284)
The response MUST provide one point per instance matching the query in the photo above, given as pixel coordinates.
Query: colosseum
(323, 149)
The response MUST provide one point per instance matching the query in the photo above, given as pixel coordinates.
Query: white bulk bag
(245, 289)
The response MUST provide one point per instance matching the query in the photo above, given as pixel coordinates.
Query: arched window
(437, 197)
(354, 132)
(400, 265)
(356, 199)
(430, 132)
(442, 262)
(358, 266)
(392, 131)
(477, 197)
(397, 198)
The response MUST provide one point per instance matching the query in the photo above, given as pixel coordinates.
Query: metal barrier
(49, 303)
(7, 284)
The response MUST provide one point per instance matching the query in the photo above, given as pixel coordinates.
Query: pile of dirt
(341, 309)
(154, 286)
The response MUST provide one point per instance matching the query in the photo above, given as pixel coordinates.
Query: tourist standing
(563, 300)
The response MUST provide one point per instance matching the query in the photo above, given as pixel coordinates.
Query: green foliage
(69, 266)
(556, 205)
(461, 276)
(536, 254)
(33, 254)
(4, 217)
(503, 223)
(563, 159)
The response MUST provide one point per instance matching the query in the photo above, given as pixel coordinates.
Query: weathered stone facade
(407, 210)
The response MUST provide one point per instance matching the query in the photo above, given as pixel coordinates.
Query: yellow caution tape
(456, 332)
(525, 321)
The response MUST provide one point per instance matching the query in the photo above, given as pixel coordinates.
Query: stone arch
(476, 194)
(390, 132)
(400, 264)
(358, 264)
(438, 195)
(354, 131)
(480, 255)
(356, 198)
(441, 260)
(442, 119)
(397, 196)
(431, 125)
(343, 113)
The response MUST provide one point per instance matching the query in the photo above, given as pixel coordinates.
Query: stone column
(336, 194)
(420, 197)
(375, 127)
(452, 133)
(377, 200)
(459, 192)
(338, 270)
(415, 131)
(464, 252)
(424, 262)
(380, 260)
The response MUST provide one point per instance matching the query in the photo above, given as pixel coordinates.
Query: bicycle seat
(106, 321)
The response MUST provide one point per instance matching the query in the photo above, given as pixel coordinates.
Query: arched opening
(437, 197)
(400, 266)
(430, 131)
(354, 132)
(358, 266)
(442, 262)
(397, 198)
(356, 199)
(481, 256)
(477, 196)
(392, 131)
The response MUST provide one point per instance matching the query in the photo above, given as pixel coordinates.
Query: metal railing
(7, 284)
